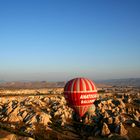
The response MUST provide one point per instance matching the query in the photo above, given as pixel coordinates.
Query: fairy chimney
(120, 129)
(105, 130)
(116, 120)
(110, 120)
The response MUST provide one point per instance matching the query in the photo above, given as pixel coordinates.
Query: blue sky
(57, 40)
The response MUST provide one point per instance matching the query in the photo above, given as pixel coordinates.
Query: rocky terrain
(40, 117)
(25, 92)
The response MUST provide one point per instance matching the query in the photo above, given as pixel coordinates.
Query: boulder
(133, 124)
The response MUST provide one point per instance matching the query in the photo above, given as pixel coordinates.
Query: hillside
(44, 84)
(31, 85)
(122, 82)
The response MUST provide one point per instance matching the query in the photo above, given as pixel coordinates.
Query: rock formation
(120, 129)
(105, 130)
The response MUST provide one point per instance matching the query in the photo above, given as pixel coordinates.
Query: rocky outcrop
(105, 130)
(120, 129)
(24, 113)
(31, 91)
(110, 120)
(5, 135)
(116, 120)
(49, 115)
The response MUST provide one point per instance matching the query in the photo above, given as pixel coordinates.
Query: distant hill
(31, 85)
(2, 81)
(44, 84)
(122, 82)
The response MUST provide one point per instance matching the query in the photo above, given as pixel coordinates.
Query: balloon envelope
(80, 93)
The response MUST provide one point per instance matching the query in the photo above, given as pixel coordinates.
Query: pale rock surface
(105, 130)
(133, 125)
(120, 129)
(102, 110)
(116, 120)
(110, 120)
(135, 117)
(137, 114)
(106, 115)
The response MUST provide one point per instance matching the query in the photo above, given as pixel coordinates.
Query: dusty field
(48, 117)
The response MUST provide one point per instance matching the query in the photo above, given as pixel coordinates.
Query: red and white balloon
(80, 93)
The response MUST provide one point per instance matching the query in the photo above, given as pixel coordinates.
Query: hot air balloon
(80, 93)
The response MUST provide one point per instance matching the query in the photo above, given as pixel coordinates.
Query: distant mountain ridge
(2, 81)
(31, 85)
(44, 84)
(122, 82)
